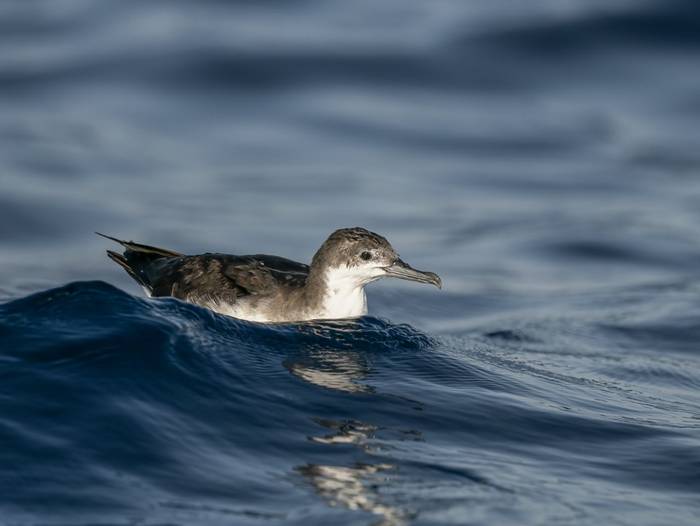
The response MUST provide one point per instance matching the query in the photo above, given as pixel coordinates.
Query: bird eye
(366, 255)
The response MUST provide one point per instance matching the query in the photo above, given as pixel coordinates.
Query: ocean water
(542, 157)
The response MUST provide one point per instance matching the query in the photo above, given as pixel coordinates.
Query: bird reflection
(361, 434)
(332, 369)
(334, 359)
(345, 432)
(354, 487)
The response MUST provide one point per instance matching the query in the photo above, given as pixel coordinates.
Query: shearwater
(271, 288)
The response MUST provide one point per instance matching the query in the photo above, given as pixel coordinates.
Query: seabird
(271, 288)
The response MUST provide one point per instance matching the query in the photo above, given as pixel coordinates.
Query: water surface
(542, 159)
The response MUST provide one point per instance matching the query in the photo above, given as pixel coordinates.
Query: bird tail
(137, 257)
(143, 249)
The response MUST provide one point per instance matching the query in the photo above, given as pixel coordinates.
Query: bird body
(267, 288)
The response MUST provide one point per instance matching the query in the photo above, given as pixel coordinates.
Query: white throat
(345, 293)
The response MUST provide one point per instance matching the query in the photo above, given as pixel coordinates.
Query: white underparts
(345, 292)
(242, 312)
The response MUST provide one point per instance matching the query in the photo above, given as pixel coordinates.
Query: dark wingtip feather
(122, 262)
(116, 256)
(141, 248)
(110, 238)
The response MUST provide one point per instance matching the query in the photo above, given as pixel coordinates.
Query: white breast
(345, 294)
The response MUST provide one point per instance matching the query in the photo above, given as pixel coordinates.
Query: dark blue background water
(543, 157)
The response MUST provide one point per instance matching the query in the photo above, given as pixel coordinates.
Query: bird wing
(223, 277)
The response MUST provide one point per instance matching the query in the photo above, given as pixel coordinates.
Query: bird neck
(336, 292)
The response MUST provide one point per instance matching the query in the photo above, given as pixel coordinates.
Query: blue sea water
(543, 157)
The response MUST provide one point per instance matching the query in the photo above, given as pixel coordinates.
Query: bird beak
(403, 270)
